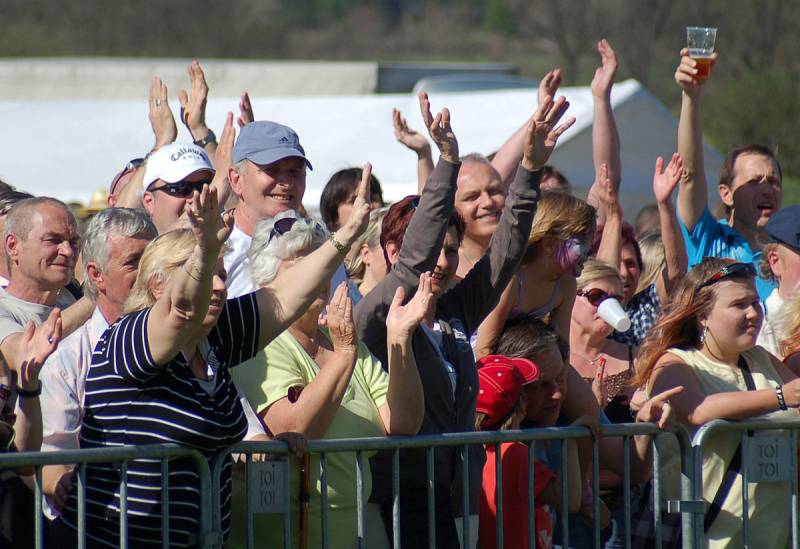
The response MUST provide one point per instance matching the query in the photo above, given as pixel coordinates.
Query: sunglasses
(596, 296)
(285, 224)
(183, 189)
(129, 167)
(732, 270)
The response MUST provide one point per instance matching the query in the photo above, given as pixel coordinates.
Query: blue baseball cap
(783, 227)
(264, 142)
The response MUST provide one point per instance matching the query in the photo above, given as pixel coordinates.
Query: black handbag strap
(734, 465)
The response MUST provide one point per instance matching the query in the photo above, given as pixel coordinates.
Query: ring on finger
(158, 102)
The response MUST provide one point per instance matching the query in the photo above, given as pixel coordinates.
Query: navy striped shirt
(130, 400)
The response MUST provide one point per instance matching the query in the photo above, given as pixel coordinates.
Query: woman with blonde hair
(161, 373)
(705, 342)
(544, 286)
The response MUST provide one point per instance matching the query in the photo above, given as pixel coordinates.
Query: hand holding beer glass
(700, 42)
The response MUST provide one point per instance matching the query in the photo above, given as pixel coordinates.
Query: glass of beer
(700, 41)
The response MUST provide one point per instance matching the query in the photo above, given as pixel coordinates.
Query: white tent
(70, 148)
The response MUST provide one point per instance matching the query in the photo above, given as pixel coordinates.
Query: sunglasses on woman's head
(183, 189)
(596, 296)
(285, 224)
(734, 269)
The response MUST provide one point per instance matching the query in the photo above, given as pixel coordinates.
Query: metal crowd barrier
(208, 537)
(277, 490)
(768, 459)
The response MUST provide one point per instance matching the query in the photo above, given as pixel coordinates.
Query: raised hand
(358, 221)
(604, 76)
(37, 344)
(408, 137)
(607, 194)
(686, 73)
(665, 180)
(340, 323)
(245, 111)
(439, 129)
(161, 119)
(402, 320)
(600, 384)
(193, 104)
(210, 229)
(548, 86)
(658, 409)
(543, 134)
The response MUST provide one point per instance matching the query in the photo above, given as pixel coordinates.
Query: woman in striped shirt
(160, 374)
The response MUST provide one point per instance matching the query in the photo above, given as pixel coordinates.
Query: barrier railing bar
(531, 496)
(82, 506)
(564, 495)
(248, 516)
(396, 497)
(793, 457)
(595, 494)
(498, 494)
(37, 508)
(359, 497)
(626, 487)
(123, 507)
(323, 478)
(287, 497)
(165, 502)
(744, 439)
(431, 500)
(465, 495)
(657, 493)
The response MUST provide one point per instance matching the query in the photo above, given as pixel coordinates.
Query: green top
(265, 379)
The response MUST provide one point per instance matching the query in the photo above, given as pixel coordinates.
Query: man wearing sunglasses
(172, 174)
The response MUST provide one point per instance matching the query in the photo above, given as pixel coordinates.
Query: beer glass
(700, 41)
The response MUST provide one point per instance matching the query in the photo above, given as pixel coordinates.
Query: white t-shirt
(15, 314)
(236, 264)
(767, 337)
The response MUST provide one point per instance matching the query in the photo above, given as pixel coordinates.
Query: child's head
(536, 341)
(563, 229)
(501, 400)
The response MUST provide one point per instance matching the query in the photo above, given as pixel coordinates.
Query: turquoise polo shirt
(714, 238)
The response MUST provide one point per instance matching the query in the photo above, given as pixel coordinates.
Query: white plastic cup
(611, 311)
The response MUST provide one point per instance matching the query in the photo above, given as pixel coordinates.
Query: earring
(703, 335)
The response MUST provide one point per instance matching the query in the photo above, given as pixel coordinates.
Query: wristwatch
(209, 138)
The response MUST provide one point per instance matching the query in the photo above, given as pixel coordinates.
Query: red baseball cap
(527, 368)
(499, 392)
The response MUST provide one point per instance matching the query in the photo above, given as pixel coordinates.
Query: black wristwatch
(33, 393)
(209, 138)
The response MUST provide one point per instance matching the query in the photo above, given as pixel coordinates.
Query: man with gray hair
(114, 241)
(268, 176)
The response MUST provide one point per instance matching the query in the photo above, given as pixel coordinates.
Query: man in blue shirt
(750, 187)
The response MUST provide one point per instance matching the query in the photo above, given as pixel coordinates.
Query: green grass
(791, 190)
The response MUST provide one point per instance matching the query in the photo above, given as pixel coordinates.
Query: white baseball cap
(175, 161)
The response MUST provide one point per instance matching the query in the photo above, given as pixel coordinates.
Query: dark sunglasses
(596, 296)
(732, 270)
(285, 224)
(129, 167)
(183, 189)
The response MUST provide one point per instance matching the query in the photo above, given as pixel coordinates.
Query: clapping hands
(439, 129)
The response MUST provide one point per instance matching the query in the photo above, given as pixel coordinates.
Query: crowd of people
(204, 307)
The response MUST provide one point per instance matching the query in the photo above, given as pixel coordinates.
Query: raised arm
(610, 248)
(417, 143)
(692, 194)
(245, 111)
(287, 297)
(605, 138)
(165, 131)
(676, 260)
(222, 161)
(176, 317)
(405, 404)
(193, 109)
(510, 154)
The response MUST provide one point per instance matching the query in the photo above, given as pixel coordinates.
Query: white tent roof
(68, 149)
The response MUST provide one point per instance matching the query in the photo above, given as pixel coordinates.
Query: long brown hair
(679, 324)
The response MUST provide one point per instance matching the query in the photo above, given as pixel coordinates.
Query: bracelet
(341, 248)
(781, 400)
(207, 140)
(33, 393)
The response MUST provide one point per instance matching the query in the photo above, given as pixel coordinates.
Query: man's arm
(417, 143)
(676, 259)
(692, 193)
(193, 109)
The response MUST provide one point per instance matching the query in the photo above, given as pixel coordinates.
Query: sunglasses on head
(129, 167)
(183, 189)
(732, 270)
(596, 296)
(285, 224)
